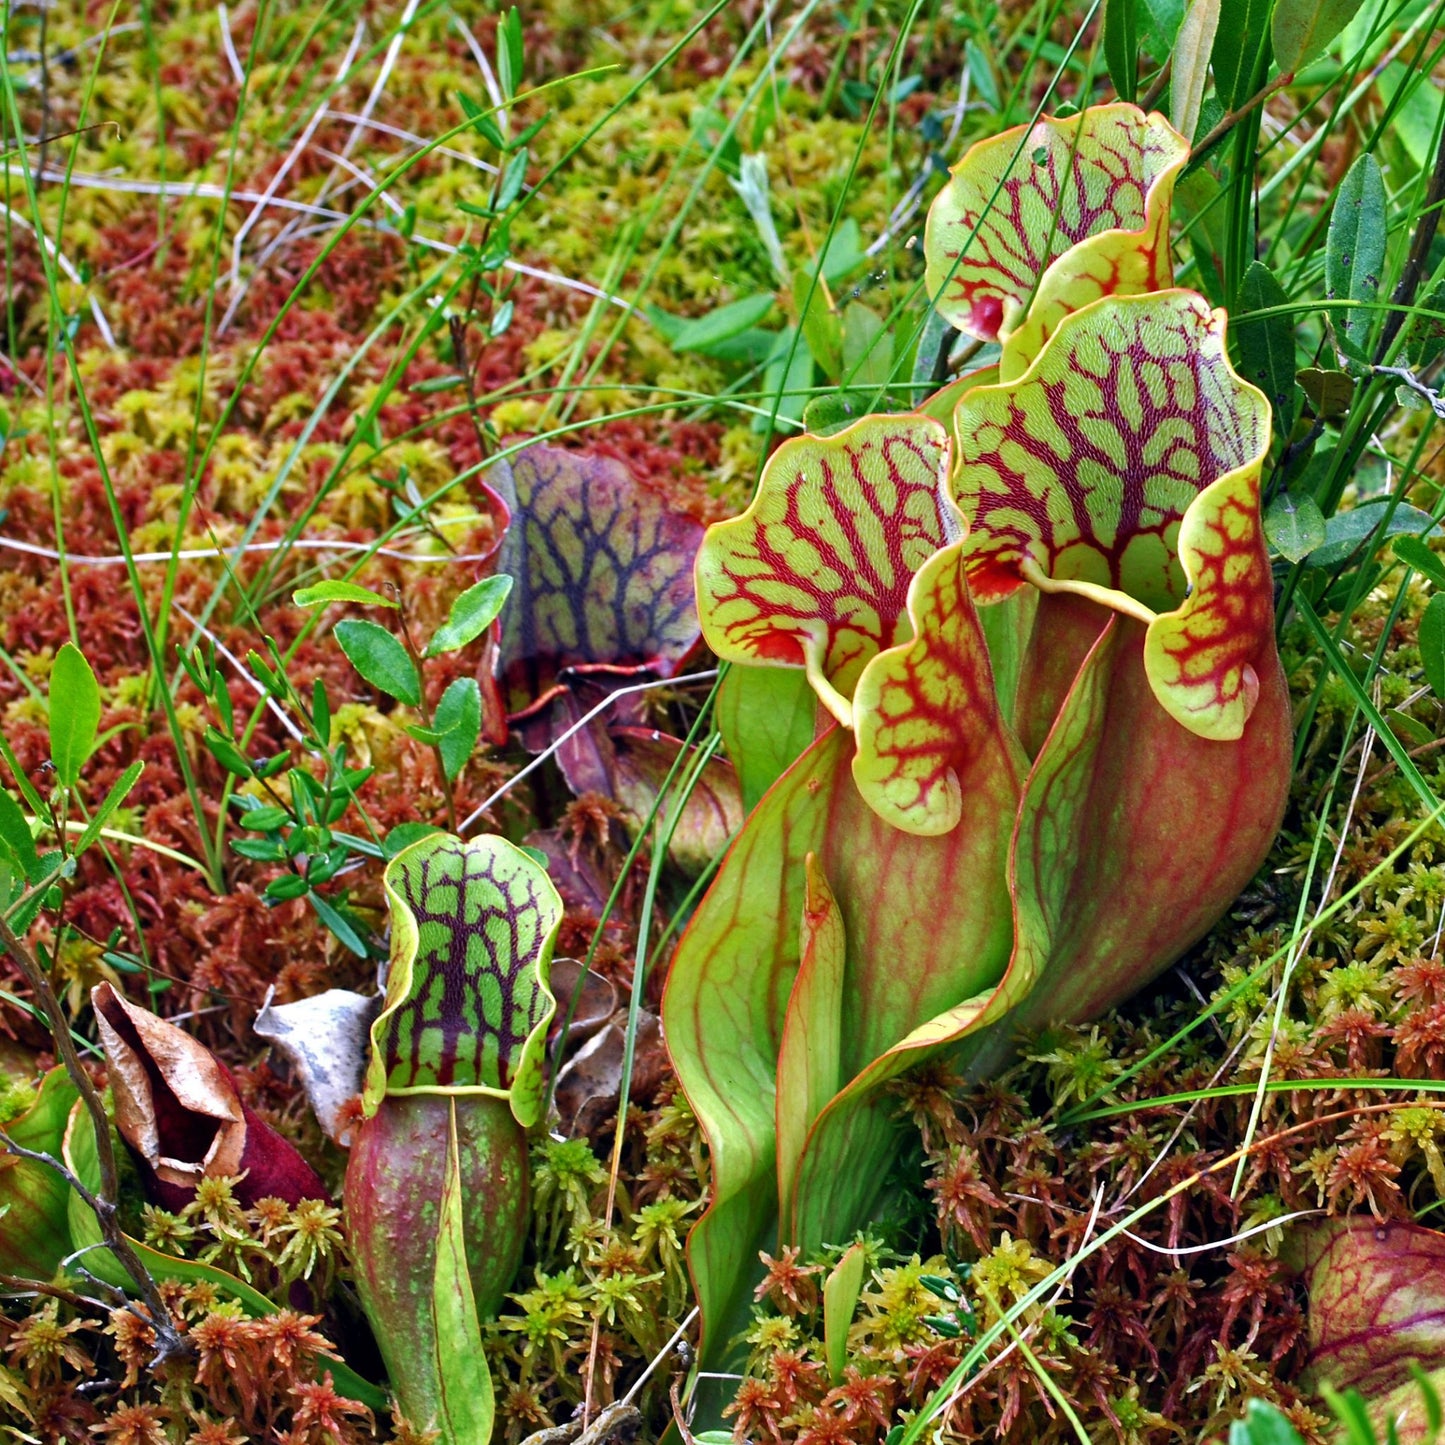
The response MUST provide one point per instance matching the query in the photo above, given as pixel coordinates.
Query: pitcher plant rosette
(1054, 734)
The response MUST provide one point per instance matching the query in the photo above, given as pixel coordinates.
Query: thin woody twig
(678, 1419)
(14, 1284)
(1411, 382)
(618, 1422)
(1414, 269)
(1235, 116)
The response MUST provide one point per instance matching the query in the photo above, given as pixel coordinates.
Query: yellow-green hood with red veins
(1043, 219)
(1122, 467)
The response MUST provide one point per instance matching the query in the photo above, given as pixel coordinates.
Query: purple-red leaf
(602, 570)
(1376, 1306)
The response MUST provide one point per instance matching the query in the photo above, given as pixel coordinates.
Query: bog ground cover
(722, 723)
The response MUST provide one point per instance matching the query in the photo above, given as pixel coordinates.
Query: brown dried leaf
(177, 1108)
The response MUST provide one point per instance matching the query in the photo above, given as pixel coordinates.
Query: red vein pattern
(1203, 659)
(1087, 465)
(1377, 1304)
(816, 571)
(1108, 170)
(925, 710)
(467, 999)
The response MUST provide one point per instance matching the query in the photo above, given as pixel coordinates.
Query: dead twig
(618, 1424)
(678, 1418)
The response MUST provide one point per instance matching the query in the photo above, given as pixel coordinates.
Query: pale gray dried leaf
(325, 1038)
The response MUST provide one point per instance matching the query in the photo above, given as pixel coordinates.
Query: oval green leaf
(340, 592)
(1346, 533)
(15, 835)
(1263, 1425)
(1355, 247)
(1192, 48)
(702, 332)
(74, 713)
(1303, 28)
(1432, 644)
(380, 659)
(1414, 552)
(1121, 45)
(1242, 28)
(472, 613)
(1295, 526)
(1265, 344)
(459, 721)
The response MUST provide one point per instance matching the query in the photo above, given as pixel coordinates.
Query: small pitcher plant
(1054, 735)
(436, 1186)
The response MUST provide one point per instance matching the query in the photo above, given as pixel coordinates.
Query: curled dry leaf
(595, 1005)
(325, 1039)
(178, 1110)
(712, 813)
(587, 1087)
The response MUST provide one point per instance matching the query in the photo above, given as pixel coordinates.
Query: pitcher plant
(1054, 736)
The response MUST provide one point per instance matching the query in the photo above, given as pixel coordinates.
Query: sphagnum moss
(1145, 1344)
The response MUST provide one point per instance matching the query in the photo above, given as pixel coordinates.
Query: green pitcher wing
(815, 573)
(1043, 220)
(467, 999)
(722, 1011)
(34, 1232)
(917, 943)
(833, 1197)
(810, 1056)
